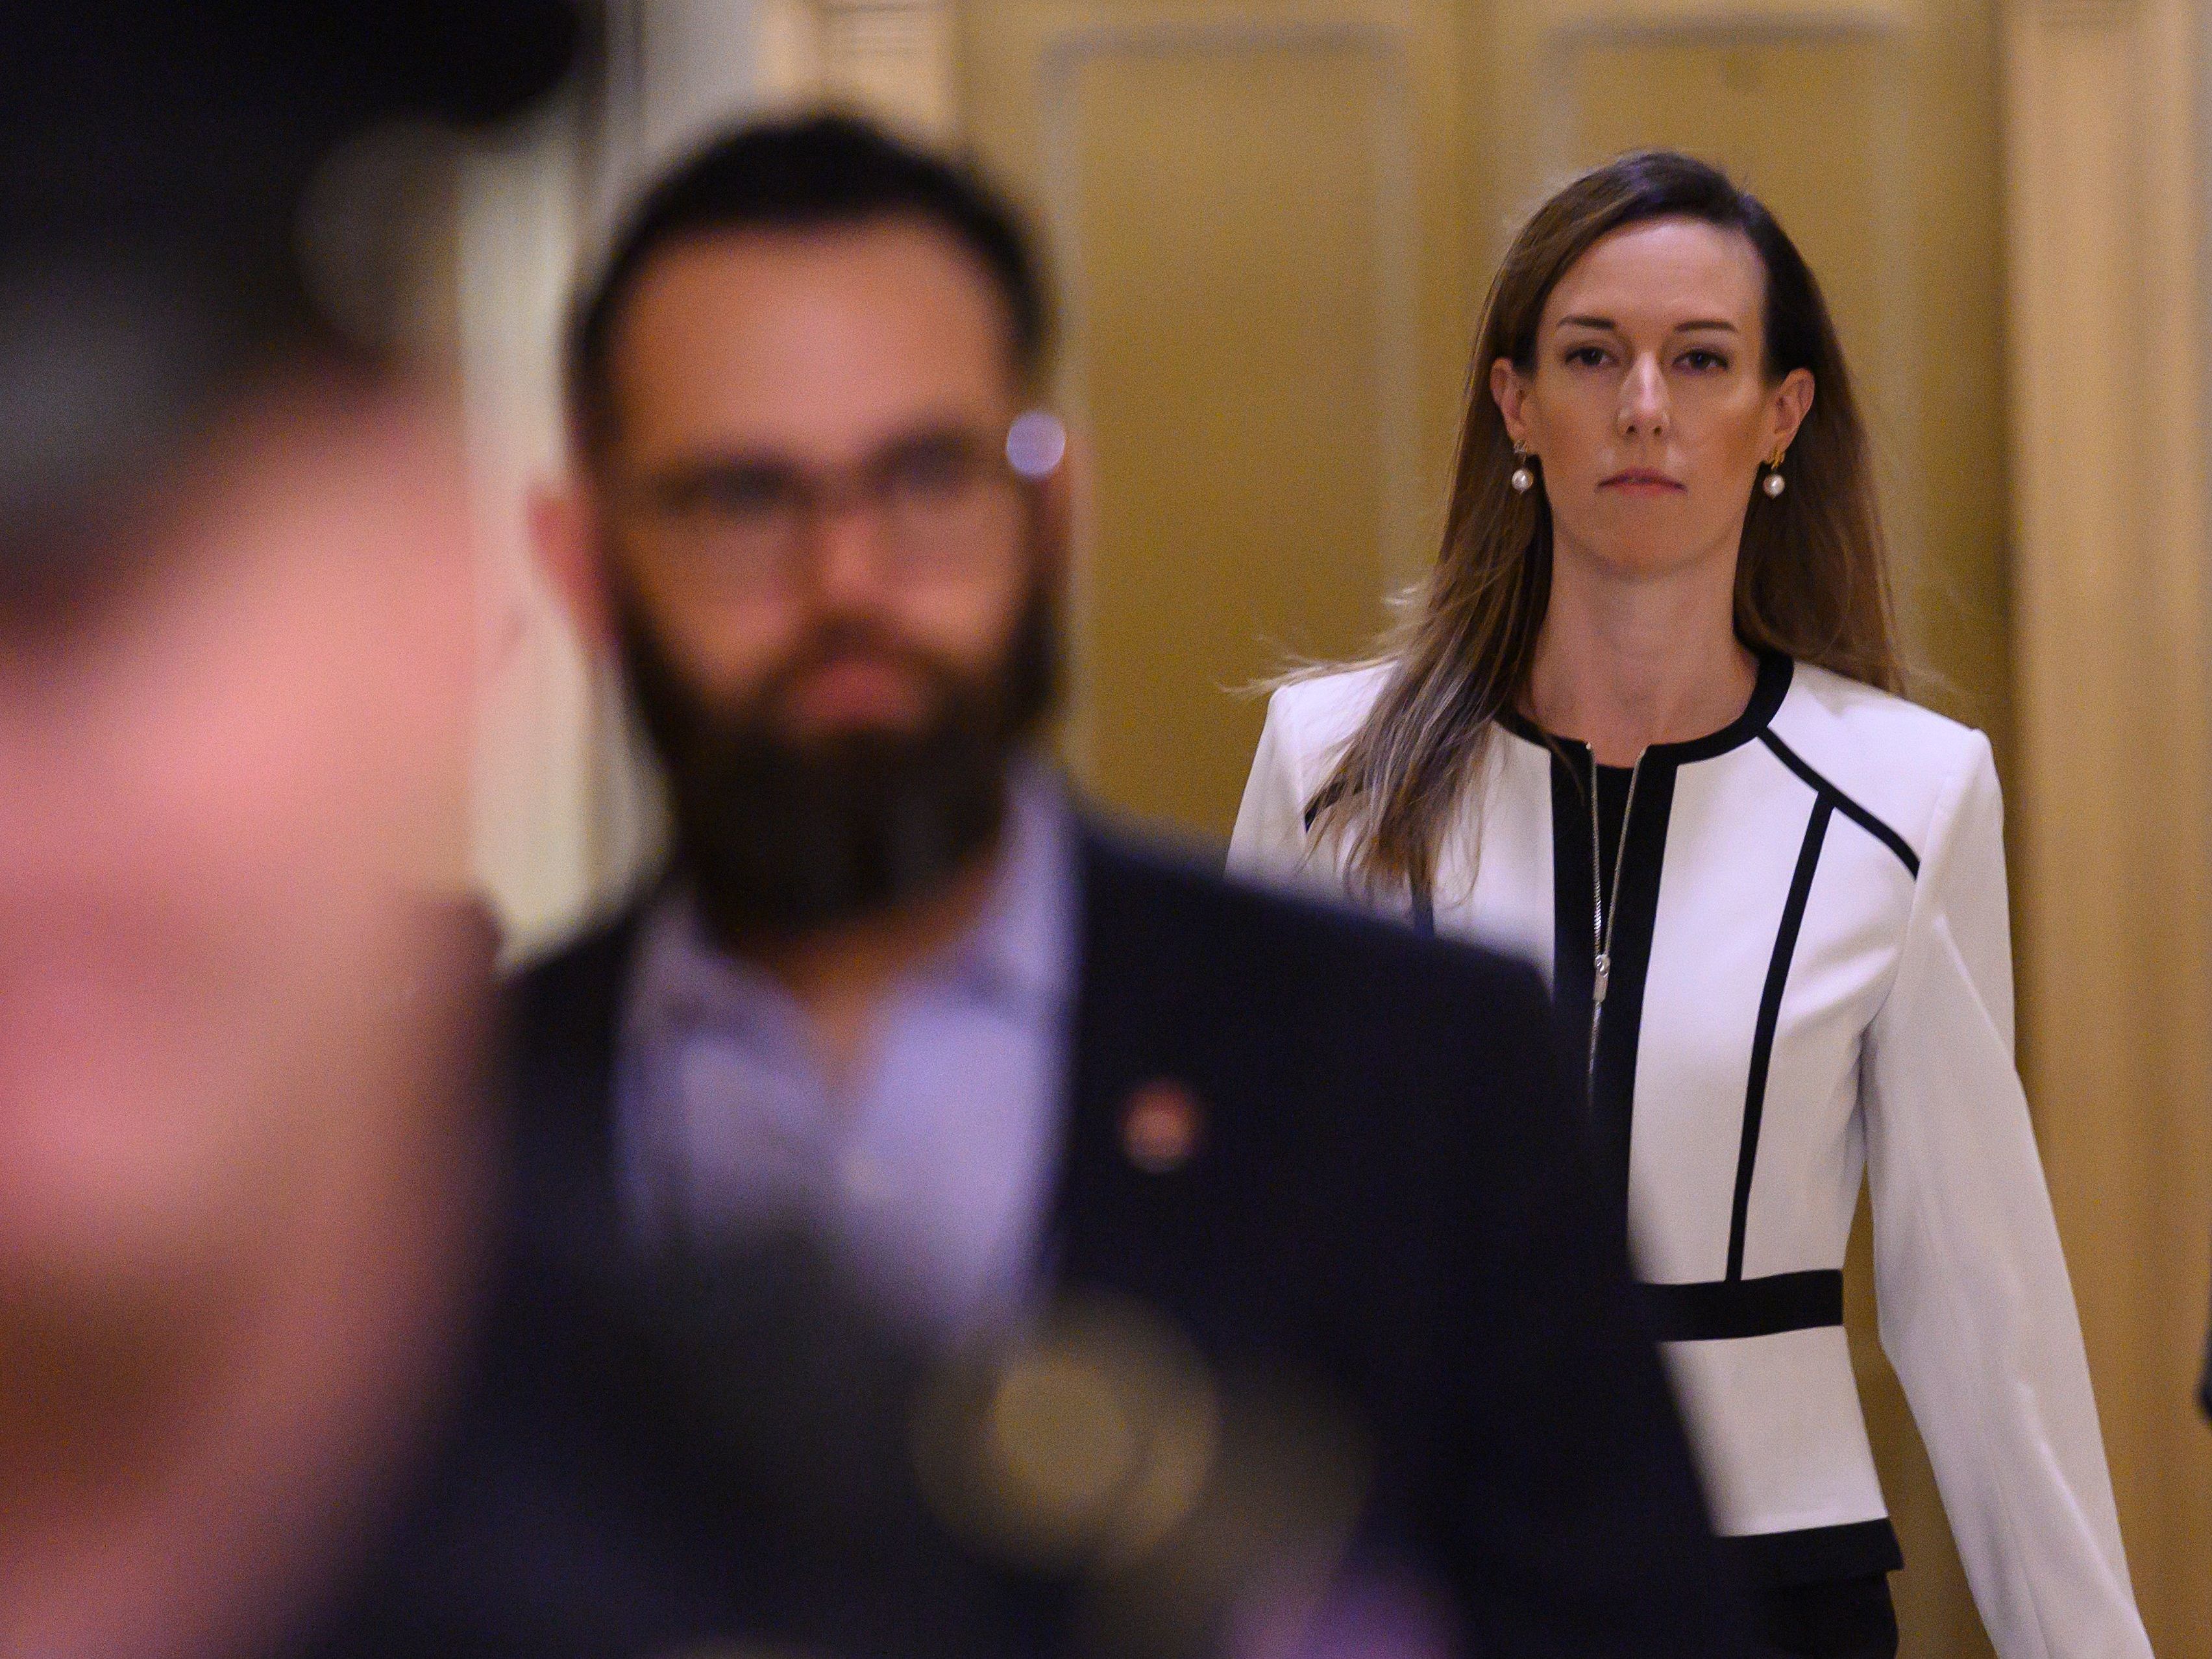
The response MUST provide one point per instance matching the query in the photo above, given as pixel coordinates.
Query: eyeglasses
(945, 504)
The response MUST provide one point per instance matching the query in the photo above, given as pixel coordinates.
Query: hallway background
(1273, 221)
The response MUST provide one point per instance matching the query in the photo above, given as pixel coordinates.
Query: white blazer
(1810, 980)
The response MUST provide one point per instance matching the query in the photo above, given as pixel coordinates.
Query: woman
(1662, 593)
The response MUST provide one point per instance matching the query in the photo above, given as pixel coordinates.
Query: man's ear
(1511, 393)
(564, 534)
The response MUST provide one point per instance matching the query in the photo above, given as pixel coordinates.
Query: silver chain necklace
(1604, 914)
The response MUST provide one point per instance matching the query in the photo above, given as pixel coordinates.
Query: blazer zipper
(1603, 913)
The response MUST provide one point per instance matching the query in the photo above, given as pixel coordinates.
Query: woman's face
(1648, 408)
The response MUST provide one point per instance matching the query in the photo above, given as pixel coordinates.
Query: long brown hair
(1811, 577)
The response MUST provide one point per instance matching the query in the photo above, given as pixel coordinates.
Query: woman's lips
(1636, 481)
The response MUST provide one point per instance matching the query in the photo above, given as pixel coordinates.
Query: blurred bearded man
(897, 1004)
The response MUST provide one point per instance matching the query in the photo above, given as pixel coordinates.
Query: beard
(783, 836)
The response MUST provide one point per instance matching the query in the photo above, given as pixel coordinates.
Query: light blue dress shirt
(928, 1175)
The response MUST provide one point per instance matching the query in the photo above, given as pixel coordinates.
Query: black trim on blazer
(1613, 1102)
(1770, 1015)
(1728, 1309)
(1645, 855)
(1844, 804)
(1574, 782)
(1622, 1031)
(1572, 972)
(1775, 672)
(1817, 1555)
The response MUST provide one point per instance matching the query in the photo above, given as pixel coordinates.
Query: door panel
(1249, 210)
(1224, 205)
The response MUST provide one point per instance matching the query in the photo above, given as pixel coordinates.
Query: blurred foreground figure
(245, 1166)
(1053, 1246)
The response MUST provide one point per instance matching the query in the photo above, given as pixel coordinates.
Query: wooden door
(1252, 209)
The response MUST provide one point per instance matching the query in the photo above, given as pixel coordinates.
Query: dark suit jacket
(1387, 1204)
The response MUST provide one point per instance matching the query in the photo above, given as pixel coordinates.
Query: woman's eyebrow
(1608, 322)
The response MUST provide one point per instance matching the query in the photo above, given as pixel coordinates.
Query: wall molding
(1066, 50)
(1564, 40)
(2085, 13)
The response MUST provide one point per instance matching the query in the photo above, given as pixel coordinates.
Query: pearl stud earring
(1523, 480)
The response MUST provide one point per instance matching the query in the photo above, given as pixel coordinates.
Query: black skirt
(1840, 1618)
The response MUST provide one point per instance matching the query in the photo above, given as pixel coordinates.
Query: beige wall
(519, 226)
(2105, 180)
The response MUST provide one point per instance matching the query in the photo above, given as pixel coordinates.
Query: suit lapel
(1138, 1155)
(565, 1021)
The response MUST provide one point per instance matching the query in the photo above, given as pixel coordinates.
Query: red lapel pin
(1162, 1123)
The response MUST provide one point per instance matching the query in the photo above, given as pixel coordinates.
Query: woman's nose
(1644, 400)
